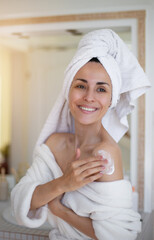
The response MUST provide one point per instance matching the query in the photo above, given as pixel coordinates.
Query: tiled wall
(20, 236)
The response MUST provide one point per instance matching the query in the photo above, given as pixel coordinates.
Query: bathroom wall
(46, 74)
(42, 8)
(18, 108)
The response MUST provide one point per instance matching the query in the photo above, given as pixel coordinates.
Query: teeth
(88, 109)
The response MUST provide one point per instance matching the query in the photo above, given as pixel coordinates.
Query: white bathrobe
(108, 204)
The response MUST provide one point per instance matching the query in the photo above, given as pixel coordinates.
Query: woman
(77, 168)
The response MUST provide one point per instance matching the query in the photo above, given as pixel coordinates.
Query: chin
(86, 121)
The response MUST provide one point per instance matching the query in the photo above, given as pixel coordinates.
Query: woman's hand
(81, 172)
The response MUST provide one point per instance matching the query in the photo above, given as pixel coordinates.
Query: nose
(89, 96)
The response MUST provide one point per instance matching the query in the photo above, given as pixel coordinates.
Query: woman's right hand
(81, 172)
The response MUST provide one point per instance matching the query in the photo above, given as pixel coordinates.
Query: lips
(88, 109)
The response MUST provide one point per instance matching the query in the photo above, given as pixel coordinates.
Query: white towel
(108, 204)
(128, 83)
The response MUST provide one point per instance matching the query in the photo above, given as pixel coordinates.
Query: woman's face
(90, 93)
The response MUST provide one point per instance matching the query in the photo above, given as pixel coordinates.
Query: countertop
(10, 231)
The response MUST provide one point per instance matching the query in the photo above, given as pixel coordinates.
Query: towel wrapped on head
(127, 77)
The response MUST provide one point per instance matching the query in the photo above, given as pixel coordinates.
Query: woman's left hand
(55, 205)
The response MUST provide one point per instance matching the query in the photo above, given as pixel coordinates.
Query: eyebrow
(98, 83)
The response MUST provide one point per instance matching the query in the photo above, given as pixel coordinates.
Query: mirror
(38, 54)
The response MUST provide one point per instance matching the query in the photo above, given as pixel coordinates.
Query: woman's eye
(80, 86)
(101, 90)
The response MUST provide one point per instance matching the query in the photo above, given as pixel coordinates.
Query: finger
(92, 171)
(92, 178)
(78, 153)
(81, 162)
(90, 165)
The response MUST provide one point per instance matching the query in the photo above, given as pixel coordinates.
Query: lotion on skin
(109, 165)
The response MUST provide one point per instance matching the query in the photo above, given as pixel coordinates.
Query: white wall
(46, 69)
(45, 7)
(19, 116)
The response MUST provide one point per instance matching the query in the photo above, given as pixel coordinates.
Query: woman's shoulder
(110, 146)
(112, 150)
(58, 141)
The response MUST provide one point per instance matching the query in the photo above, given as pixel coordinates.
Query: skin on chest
(65, 157)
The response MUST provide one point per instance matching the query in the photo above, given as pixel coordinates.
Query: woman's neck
(87, 134)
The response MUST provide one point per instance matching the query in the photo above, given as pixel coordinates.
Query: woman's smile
(87, 109)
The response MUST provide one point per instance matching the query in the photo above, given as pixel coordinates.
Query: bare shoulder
(57, 141)
(113, 149)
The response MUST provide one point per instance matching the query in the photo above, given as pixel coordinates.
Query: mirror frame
(139, 16)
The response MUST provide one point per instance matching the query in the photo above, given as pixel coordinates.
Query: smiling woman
(78, 139)
(90, 97)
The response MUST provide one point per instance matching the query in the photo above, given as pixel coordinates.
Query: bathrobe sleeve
(21, 195)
